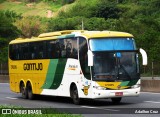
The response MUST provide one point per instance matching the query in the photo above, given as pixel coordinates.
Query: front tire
(74, 95)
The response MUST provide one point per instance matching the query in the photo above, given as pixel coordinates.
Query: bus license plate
(118, 93)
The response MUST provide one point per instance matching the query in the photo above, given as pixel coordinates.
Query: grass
(55, 113)
(35, 9)
(41, 8)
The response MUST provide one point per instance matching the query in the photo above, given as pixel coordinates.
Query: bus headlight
(99, 88)
(136, 86)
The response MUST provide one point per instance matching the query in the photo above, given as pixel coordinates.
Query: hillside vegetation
(138, 17)
(37, 8)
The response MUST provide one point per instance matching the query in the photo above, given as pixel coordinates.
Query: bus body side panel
(12, 82)
(71, 74)
(33, 71)
(13, 76)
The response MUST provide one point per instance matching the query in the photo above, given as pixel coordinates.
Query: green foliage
(7, 29)
(7, 32)
(106, 9)
(30, 26)
(99, 24)
(57, 24)
(75, 23)
(4, 54)
(1, 1)
(3, 49)
(81, 8)
(67, 1)
(95, 24)
(63, 2)
(143, 22)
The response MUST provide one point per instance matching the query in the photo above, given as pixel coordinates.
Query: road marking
(150, 92)
(4, 83)
(99, 108)
(152, 102)
(11, 98)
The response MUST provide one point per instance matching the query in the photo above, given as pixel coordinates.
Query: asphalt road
(146, 102)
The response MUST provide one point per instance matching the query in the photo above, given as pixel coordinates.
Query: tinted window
(83, 49)
(13, 52)
(62, 48)
(37, 50)
(23, 51)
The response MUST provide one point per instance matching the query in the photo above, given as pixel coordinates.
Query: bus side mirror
(144, 56)
(90, 58)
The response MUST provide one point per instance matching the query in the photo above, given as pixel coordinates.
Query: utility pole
(82, 24)
(152, 70)
(1, 68)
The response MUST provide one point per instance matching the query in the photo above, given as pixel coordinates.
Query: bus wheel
(116, 100)
(74, 95)
(30, 92)
(23, 90)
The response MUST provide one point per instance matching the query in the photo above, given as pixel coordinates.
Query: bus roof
(72, 33)
(98, 34)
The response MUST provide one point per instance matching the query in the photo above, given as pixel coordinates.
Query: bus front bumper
(115, 93)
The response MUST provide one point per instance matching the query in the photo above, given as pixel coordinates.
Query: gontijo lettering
(32, 66)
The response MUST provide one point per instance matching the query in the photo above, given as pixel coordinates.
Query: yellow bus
(76, 63)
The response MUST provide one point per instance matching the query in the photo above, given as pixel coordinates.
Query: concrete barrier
(146, 85)
(150, 86)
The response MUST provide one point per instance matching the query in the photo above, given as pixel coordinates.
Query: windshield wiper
(121, 66)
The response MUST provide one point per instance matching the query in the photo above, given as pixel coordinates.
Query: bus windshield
(114, 59)
(111, 44)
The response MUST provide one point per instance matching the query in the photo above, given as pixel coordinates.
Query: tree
(106, 9)
(7, 32)
(67, 1)
(31, 26)
(7, 29)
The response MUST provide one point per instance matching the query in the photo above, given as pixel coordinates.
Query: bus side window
(74, 48)
(32, 50)
(41, 50)
(13, 52)
(24, 50)
(50, 49)
(63, 53)
(66, 48)
(16, 52)
(71, 48)
(83, 49)
(58, 50)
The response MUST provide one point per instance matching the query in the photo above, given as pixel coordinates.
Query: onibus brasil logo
(21, 111)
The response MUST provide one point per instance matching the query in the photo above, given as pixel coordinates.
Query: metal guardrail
(152, 69)
(4, 69)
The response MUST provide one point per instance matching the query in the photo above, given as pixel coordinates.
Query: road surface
(145, 103)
